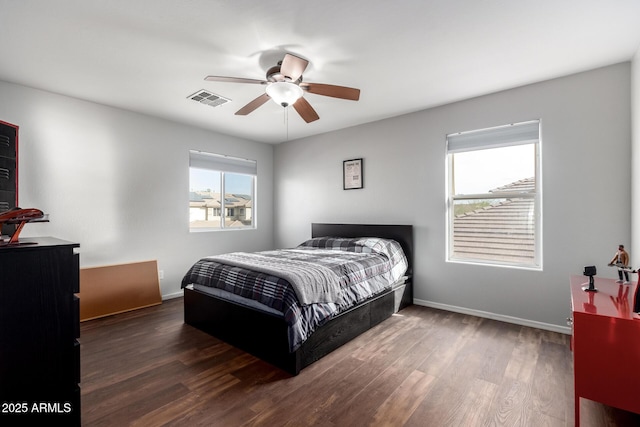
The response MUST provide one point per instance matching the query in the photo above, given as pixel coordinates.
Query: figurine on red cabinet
(621, 260)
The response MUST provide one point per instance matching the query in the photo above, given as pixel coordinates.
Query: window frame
(224, 164)
(535, 194)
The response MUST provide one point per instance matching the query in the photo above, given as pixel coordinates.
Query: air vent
(208, 98)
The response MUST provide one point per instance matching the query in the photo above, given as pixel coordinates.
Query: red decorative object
(606, 344)
(20, 217)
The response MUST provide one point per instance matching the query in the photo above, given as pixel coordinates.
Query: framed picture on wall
(352, 178)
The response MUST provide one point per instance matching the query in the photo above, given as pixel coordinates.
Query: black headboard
(402, 234)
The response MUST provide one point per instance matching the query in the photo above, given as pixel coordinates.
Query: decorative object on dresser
(606, 344)
(590, 271)
(19, 217)
(273, 336)
(39, 327)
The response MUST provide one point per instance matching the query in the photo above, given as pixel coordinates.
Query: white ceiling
(407, 55)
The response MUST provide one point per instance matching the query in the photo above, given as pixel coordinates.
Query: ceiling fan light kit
(284, 93)
(285, 88)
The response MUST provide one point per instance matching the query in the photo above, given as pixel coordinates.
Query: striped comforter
(362, 267)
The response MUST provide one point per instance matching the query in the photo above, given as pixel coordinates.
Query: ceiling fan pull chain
(286, 120)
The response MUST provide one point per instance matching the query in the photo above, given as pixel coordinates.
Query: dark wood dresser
(39, 324)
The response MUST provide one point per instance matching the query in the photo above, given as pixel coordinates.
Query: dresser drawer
(76, 361)
(76, 317)
(75, 274)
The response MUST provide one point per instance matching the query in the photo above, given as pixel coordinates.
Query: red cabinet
(606, 344)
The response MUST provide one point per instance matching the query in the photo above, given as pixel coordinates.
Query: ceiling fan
(285, 87)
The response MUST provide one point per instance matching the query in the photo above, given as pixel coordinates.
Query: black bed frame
(265, 335)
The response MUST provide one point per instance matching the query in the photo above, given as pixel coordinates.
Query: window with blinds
(222, 192)
(494, 196)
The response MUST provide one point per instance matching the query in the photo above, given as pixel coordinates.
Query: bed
(264, 329)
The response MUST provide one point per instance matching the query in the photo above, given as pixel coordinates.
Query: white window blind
(501, 136)
(217, 162)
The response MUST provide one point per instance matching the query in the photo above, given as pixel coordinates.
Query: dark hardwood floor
(422, 367)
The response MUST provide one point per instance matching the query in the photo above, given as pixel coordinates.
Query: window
(494, 203)
(222, 190)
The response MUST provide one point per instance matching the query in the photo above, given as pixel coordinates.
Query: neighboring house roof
(212, 200)
(195, 197)
(502, 232)
(523, 185)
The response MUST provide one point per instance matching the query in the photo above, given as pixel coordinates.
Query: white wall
(586, 147)
(117, 182)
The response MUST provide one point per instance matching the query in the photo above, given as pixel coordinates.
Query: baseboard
(487, 315)
(178, 294)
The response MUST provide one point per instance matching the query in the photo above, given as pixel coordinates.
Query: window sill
(486, 263)
(206, 229)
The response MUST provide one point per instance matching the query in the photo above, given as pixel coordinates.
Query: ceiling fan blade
(334, 91)
(253, 105)
(305, 110)
(234, 80)
(293, 66)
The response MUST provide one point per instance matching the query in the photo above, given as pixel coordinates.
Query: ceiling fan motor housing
(274, 75)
